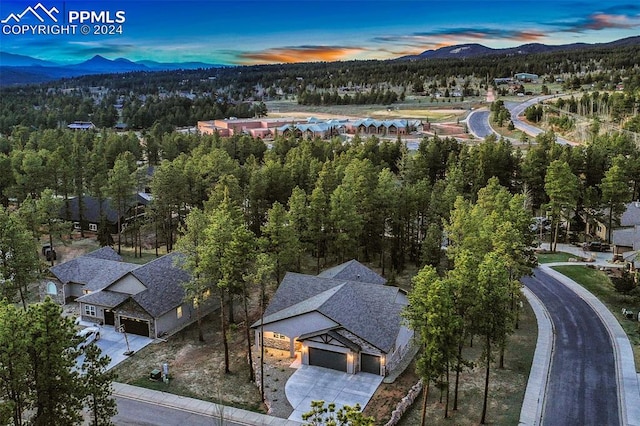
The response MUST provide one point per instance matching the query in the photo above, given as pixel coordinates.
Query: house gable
(299, 325)
(128, 284)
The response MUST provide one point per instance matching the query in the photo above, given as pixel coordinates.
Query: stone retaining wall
(404, 404)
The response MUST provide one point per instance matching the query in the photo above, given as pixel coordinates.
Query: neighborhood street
(582, 385)
(139, 413)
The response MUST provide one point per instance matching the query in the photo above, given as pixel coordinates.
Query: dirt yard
(197, 369)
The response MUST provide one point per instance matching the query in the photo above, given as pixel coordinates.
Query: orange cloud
(300, 54)
(601, 21)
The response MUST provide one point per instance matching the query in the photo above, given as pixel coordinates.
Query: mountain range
(20, 69)
(474, 50)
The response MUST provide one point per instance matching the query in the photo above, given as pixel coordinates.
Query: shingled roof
(162, 278)
(353, 271)
(95, 270)
(369, 310)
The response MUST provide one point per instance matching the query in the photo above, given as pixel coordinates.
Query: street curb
(534, 396)
(197, 406)
(627, 377)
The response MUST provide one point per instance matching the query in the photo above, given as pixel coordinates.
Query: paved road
(582, 386)
(478, 123)
(517, 108)
(139, 413)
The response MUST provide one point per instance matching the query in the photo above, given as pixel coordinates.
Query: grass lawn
(598, 283)
(554, 257)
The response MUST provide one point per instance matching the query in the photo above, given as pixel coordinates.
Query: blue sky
(243, 32)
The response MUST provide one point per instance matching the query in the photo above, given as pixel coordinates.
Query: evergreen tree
(120, 188)
(615, 192)
(19, 263)
(15, 364)
(56, 384)
(98, 388)
(280, 240)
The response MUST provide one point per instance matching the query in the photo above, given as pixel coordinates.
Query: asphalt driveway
(310, 383)
(114, 345)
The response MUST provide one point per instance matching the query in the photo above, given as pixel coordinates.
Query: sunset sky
(243, 32)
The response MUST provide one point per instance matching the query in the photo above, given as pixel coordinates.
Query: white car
(87, 336)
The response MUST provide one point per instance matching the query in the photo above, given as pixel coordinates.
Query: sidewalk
(197, 406)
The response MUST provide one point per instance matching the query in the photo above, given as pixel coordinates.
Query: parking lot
(114, 344)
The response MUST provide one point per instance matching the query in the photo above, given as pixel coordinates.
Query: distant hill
(171, 66)
(13, 60)
(475, 50)
(20, 69)
(101, 65)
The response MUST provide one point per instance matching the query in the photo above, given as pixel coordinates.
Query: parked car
(49, 253)
(596, 246)
(87, 336)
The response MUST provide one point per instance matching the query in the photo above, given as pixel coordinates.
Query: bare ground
(196, 369)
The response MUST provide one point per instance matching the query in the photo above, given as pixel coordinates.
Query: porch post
(292, 347)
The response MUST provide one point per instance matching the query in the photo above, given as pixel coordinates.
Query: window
(93, 227)
(86, 291)
(179, 312)
(279, 336)
(51, 288)
(90, 310)
(76, 226)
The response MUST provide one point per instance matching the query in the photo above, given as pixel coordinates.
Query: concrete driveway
(310, 383)
(114, 345)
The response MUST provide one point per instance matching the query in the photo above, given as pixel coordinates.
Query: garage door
(370, 363)
(135, 326)
(328, 359)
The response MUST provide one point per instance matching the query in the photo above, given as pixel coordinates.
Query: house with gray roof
(97, 213)
(625, 235)
(346, 318)
(87, 274)
(141, 299)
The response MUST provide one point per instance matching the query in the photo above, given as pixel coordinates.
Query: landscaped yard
(555, 257)
(598, 283)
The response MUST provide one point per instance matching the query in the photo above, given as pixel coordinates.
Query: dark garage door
(328, 359)
(135, 326)
(370, 363)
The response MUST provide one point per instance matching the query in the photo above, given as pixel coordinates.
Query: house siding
(127, 284)
(72, 291)
(297, 326)
(97, 319)
(292, 328)
(169, 321)
(58, 297)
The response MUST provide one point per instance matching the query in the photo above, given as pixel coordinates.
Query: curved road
(478, 121)
(517, 108)
(582, 385)
(478, 124)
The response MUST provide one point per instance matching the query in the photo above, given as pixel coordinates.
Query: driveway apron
(310, 383)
